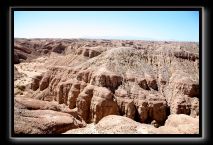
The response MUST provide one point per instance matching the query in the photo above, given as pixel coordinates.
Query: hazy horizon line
(105, 38)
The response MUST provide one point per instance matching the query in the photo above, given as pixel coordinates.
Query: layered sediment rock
(144, 81)
(42, 117)
(102, 104)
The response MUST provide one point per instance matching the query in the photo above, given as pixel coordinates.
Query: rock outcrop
(114, 124)
(104, 78)
(38, 117)
(179, 124)
(142, 80)
(88, 52)
(35, 82)
(102, 104)
(59, 48)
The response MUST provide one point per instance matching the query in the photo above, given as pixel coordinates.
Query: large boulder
(114, 124)
(33, 116)
(43, 122)
(179, 124)
(34, 104)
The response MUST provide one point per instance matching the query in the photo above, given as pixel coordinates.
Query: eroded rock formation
(141, 80)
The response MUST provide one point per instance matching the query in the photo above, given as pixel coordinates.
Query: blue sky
(144, 25)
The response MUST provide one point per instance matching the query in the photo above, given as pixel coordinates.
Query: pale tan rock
(103, 78)
(34, 104)
(183, 123)
(181, 105)
(33, 116)
(83, 102)
(141, 80)
(84, 76)
(102, 104)
(43, 122)
(114, 124)
(194, 107)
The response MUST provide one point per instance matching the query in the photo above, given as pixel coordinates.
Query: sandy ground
(30, 70)
(89, 129)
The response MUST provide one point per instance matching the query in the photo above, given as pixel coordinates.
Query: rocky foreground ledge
(105, 86)
(114, 124)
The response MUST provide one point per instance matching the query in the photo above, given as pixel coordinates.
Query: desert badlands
(99, 86)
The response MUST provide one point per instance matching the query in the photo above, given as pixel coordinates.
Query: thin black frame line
(200, 71)
(92, 7)
(200, 45)
(107, 9)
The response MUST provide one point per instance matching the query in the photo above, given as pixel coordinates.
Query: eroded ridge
(84, 80)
